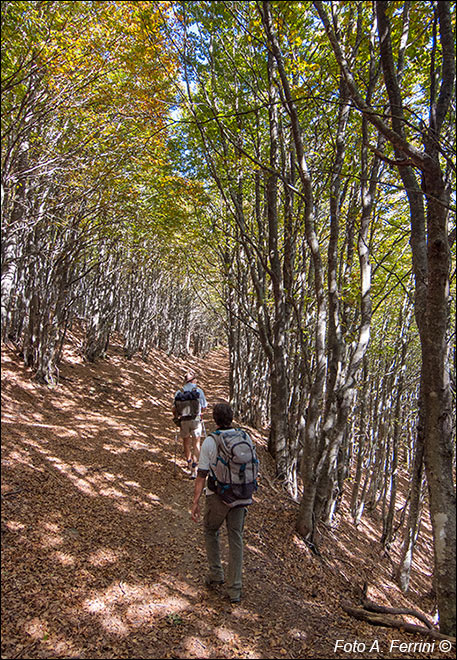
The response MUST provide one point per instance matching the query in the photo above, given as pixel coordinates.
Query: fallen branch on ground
(10, 493)
(383, 619)
(381, 609)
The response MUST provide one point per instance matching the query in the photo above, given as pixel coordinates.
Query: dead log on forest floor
(381, 609)
(381, 617)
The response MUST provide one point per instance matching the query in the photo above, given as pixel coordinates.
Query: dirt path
(100, 557)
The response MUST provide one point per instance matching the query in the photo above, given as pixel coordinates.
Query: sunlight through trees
(277, 178)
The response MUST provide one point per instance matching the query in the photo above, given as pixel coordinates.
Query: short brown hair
(223, 415)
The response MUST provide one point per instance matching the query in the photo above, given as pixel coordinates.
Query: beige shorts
(191, 427)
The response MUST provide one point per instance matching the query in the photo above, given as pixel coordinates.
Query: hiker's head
(189, 377)
(223, 415)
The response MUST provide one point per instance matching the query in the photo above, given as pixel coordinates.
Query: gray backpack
(234, 476)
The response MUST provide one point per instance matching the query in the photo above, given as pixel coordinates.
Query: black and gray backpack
(187, 405)
(234, 475)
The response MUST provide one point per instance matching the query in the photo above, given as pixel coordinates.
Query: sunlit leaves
(93, 83)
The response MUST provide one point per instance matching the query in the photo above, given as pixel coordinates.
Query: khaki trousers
(215, 514)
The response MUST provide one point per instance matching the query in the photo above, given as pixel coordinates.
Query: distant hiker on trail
(228, 458)
(188, 406)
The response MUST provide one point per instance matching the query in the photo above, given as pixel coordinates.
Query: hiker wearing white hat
(189, 403)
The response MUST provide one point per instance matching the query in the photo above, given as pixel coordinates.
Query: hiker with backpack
(228, 462)
(188, 406)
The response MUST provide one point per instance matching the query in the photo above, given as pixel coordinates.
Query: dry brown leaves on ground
(100, 558)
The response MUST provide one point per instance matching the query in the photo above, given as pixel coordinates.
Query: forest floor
(100, 557)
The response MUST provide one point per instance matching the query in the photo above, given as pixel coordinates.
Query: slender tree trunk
(410, 535)
(386, 538)
(356, 502)
(305, 522)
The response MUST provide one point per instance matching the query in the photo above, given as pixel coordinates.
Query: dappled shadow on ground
(101, 559)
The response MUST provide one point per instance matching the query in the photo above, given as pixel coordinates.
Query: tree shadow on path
(100, 558)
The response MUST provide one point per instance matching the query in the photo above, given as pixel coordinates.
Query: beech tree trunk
(410, 534)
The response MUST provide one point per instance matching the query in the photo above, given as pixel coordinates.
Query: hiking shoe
(213, 584)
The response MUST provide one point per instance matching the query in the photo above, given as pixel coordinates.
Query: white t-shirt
(208, 453)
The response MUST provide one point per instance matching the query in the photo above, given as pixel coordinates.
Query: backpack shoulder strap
(215, 435)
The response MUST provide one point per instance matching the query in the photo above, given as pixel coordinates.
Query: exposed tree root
(381, 609)
(378, 615)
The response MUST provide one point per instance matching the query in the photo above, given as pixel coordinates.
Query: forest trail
(102, 560)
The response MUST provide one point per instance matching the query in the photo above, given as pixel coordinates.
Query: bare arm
(198, 489)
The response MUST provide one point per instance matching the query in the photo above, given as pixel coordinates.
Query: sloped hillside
(100, 558)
